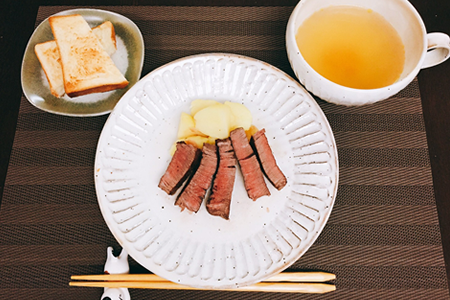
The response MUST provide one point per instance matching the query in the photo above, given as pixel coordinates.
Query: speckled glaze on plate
(129, 58)
(262, 237)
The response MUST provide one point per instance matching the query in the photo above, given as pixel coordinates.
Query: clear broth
(352, 46)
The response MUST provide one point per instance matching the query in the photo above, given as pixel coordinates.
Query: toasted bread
(107, 36)
(86, 66)
(48, 55)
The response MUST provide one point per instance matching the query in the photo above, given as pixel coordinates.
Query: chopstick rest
(116, 265)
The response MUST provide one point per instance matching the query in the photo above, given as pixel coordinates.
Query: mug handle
(438, 49)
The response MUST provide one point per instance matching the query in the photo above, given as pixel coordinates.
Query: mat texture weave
(382, 239)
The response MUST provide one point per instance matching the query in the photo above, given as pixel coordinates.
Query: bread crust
(99, 89)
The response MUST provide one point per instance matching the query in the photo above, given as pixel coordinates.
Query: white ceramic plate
(129, 58)
(262, 237)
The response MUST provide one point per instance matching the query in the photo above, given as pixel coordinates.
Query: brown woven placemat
(382, 239)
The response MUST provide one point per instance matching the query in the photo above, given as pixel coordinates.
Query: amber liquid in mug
(352, 46)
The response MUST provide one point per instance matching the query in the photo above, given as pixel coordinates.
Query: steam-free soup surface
(352, 46)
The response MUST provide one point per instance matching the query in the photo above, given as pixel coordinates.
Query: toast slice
(48, 55)
(107, 36)
(86, 66)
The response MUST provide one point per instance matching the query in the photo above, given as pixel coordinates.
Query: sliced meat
(220, 199)
(184, 162)
(241, 146)
(267, 160)
(195, 190)
(251, 171)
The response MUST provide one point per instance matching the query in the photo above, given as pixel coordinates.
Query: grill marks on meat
(267, 160)
(195, 190)
(251, 171)
(184, 162)
(220, 198)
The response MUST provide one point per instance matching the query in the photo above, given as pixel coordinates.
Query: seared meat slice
(251, 171)
(184, 162)
(267, 160)
(220, 198)
(195, 190)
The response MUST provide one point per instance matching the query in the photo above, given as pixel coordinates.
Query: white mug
(422, 50)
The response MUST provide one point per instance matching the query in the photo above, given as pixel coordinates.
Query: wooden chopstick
(286, 276)
(295, 282)
(280, 287)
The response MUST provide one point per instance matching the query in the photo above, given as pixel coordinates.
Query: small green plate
(129, 58)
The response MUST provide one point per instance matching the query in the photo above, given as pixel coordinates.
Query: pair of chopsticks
(295, 282)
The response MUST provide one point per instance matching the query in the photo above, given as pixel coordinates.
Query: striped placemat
(382, 239)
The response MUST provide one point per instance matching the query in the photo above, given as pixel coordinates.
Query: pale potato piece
(243, 117)
(173, 148)
(211, 120)
(186, 125)
(211, 141)
(214, 121)
(198, 141)
(198, 132)
(251, 131)
(200, 104)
